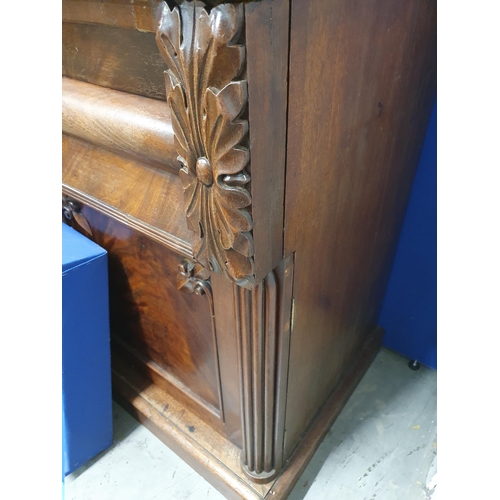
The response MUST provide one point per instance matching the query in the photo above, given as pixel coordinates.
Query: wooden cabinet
(247, 166)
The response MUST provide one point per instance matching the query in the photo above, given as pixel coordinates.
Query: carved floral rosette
(206, 100)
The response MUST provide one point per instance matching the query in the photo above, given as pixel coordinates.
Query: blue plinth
(86, 377)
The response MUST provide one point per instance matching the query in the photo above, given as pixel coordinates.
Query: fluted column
(263, 317)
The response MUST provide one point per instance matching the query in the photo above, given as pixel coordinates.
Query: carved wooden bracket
(71, 209)
(207, 100)
(263, 316)
(193, 278)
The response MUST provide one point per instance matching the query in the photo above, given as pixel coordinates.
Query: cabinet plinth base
(215, 457)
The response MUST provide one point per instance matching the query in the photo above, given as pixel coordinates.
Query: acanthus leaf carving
(207, 100)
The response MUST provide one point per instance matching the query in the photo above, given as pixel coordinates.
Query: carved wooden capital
(207, 99)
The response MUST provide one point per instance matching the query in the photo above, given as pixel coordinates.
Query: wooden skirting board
(211, 455)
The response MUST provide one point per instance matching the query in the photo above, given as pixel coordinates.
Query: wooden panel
(137, 14)
(267, 26)
(125, 123)
(169, 383)
(140, 196)
(147, 311)
(120, 59)
(362, 84)
(228, 353)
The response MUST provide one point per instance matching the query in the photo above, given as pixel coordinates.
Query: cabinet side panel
(362, 85)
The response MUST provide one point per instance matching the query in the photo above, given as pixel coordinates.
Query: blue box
(86, 376)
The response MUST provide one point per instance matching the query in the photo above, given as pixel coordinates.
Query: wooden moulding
(122, 122)
(216, 458)
(110, 183)
(169, 383)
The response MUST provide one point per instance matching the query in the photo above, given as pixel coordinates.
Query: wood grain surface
(215, 458)
(166, 333)
(266, 26)
(362, 84)
(117, 58)
(125, 123)
(263, 334)
(138, 195)
(142, 15)
(327, 142)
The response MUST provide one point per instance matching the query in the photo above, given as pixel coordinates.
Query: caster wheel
(414, 365)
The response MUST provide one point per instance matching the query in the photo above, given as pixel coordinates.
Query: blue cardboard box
(86, 377)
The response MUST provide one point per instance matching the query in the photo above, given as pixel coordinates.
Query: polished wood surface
(133, 192)
(169, 327)
(248, 173)
(226, 326)
(323, 420)
(121, 122)
(142, 15)
(362, 83)
(266, 27)
(216, 166)
(263, 335)
(117, 58)
(191, 372)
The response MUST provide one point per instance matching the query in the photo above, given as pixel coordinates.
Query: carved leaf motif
(193, 278)
(206, 102)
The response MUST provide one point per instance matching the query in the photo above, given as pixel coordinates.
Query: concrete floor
(382, 447)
